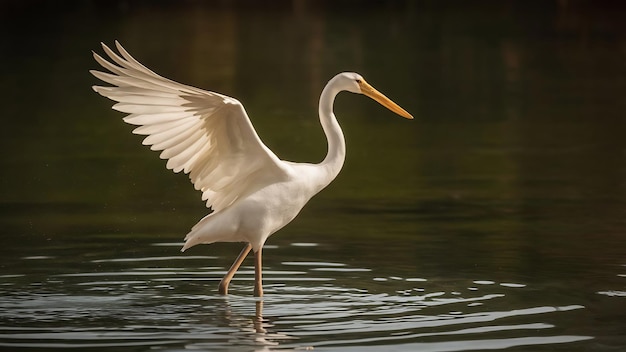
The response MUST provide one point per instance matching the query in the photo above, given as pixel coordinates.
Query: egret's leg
(258, 275)
(223, 286)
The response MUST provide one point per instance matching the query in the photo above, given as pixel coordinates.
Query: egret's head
(355, 83)
(351, 81)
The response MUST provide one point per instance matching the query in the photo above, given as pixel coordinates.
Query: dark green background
(513, 170)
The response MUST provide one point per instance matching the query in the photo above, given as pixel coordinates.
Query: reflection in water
(142, 302)
(249, 329)
(258, 331)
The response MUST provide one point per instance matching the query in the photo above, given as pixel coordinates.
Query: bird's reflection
(255, 330)
(258, 319)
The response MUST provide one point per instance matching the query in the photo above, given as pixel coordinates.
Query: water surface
(494, 220)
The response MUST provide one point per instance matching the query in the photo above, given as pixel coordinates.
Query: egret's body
(254, 218)
(252, 192)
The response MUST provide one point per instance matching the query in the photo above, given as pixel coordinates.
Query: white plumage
(210, 137)
(205, 134)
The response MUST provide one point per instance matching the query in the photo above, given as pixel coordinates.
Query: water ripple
(146, 303)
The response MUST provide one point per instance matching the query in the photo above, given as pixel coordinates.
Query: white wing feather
(205, 134)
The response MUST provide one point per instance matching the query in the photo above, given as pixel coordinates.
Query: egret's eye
(358, 81)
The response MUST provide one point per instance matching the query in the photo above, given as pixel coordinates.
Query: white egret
(252, 193)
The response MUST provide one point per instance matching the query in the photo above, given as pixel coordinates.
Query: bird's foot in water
(222, 288)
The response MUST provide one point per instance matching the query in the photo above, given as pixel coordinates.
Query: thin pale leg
(258, 275)
(223, 286)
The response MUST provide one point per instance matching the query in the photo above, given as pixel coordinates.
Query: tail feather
(189, 242)
(193, 237)
(215, 227)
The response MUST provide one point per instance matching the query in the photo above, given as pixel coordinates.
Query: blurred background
(514, 100)
(514, 167)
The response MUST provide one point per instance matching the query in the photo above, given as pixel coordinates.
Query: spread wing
(205, 134)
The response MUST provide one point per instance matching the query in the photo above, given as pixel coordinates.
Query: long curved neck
(336, 154)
